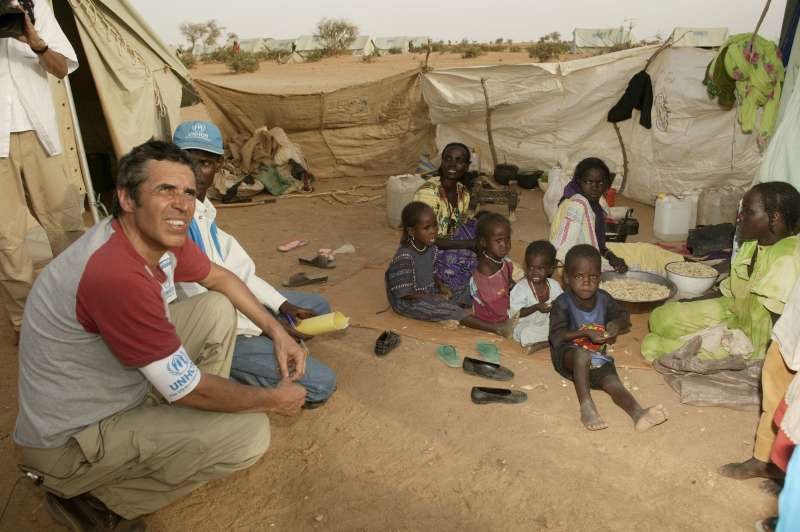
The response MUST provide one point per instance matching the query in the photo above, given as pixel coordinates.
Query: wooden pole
(489, 135)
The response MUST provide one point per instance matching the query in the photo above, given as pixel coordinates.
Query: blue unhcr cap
(199, 135)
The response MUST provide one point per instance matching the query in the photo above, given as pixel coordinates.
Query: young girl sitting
(583, 320)
(492, 281)
(411, 287)
(533, 297)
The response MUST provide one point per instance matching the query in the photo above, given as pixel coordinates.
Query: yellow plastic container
(325, 323)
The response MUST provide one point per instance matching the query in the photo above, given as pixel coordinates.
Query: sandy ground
(401, 447)
(334, 73)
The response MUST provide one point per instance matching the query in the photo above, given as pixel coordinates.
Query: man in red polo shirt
(124, 401)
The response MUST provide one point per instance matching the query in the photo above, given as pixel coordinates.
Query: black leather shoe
(482, 395)
(489, 370)
(85, 513)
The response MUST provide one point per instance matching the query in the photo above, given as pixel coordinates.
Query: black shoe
(489, 370)
(386, 342)
(87, 514)
(482, 395)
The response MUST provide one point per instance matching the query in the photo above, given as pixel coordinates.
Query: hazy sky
(482, 20)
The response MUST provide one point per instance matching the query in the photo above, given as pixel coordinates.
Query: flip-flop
(489, 352)
(320, 261)
(304, 279)
(292, 244)
(386, 342)
(482, 395)
(473, 366)
(448, 355)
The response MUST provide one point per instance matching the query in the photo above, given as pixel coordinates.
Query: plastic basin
(690, 286)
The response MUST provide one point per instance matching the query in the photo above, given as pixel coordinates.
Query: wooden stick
(624, 159)
(489, 122)
(248, 204)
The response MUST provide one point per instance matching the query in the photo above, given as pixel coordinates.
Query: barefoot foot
(650, 417)
(751, 468)
(590, 418)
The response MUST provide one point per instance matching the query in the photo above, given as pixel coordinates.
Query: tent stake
(87, 178)
(489, 134)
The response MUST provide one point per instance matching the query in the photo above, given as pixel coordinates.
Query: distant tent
(128, 89)
(600, 37)
(384, 44)
(292, 58)
(699, 37)
(308, 43)
(284, 45)
(252, 45)
(418, 42)
(363, 45)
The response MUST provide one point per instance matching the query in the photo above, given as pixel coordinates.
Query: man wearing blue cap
(254, 355)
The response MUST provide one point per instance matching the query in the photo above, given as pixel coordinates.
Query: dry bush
(242, 62)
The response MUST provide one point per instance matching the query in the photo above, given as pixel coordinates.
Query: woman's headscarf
(574, 187)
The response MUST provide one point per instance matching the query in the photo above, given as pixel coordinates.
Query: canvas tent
(128, 89)
(384, 44)
(284, 45)
(699, 37)
(362, 45)
(253, 45)
(554, 111)
(600, 37)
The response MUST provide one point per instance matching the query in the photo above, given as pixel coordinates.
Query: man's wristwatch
(43, 50)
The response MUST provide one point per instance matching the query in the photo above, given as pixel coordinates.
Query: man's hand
(297, 313)
(289, 397)
(31, 36)
(290, 356)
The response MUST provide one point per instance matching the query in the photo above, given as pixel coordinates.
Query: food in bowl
(635, 291)
(691, 269)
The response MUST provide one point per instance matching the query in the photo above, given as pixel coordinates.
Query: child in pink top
(492, 281)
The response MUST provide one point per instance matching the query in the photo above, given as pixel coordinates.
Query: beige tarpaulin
(376, 128)
(549, 112)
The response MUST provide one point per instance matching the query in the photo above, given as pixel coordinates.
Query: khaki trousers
(142, 459)
(28, 173)
(775, 380)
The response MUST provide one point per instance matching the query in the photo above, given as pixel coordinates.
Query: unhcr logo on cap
(199, 130)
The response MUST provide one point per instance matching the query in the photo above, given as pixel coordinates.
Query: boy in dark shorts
(583, 321)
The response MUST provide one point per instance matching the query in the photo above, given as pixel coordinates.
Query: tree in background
(213, 32)
(336, 34)
(192, 32)
(205, 32)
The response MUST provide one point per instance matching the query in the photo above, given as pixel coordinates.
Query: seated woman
(455, 235)
(762, 274)
(580, 219)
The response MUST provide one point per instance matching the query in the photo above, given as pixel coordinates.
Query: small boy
(532, 297)
(583, 321)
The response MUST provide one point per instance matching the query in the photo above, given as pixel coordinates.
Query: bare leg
(503, 328)
(577, 362)
(643, 418)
